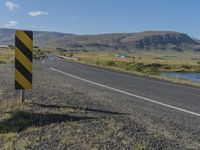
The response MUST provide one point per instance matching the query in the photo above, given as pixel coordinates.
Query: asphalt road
(170, 109)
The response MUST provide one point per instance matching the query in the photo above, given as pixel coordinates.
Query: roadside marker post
(23, 61)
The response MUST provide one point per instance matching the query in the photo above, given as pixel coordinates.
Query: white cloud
(11, 24)
(37, 13)
(11, 6)
(33, 26)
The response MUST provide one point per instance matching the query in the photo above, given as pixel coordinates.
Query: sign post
(23, 61)
(22, 96)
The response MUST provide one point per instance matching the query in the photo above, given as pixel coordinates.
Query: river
(195, 77)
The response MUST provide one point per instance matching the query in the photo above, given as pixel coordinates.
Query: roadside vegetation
(39, 53)
(151, 63)
(145, 63)
(6, 55)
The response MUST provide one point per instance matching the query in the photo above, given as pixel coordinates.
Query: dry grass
(8, 105)
(169, 57)
(169, 61)
(6, 55)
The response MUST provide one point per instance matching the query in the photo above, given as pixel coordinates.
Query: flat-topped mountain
(158, 40)
(148, 40)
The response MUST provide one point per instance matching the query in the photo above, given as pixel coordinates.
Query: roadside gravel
(58, 115)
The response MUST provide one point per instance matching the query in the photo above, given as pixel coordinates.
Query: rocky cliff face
(176, 41)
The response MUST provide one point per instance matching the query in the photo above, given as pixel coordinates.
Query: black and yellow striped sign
(23, 59)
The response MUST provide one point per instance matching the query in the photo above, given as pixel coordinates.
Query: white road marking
(43, 61)
(152, 80)
(123, 92)
(141, 78)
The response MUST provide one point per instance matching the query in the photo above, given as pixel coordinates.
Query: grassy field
(146, 63)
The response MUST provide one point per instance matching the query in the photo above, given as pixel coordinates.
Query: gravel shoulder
(59, 115)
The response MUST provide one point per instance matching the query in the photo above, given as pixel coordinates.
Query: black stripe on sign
(23, 70)
(18, 86)
(23, 49)
(29, 34)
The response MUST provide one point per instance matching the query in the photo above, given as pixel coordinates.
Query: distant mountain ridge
(148, 40)
(7, 36)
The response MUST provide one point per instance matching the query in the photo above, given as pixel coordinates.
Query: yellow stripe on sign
(24, 39)
(22, 80)
(23, 59)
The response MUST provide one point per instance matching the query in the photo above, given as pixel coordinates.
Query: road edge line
(124, 92)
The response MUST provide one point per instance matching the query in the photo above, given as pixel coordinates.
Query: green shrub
(71, 55)
(157, 58)
(139, 67)
(2, 62)
(110, 63)
(186, 67)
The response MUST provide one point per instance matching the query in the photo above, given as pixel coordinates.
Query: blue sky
(101, 16)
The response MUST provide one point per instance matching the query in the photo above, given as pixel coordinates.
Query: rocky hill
(149, 40)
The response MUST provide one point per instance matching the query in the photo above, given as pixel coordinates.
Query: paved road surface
(168, 108)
